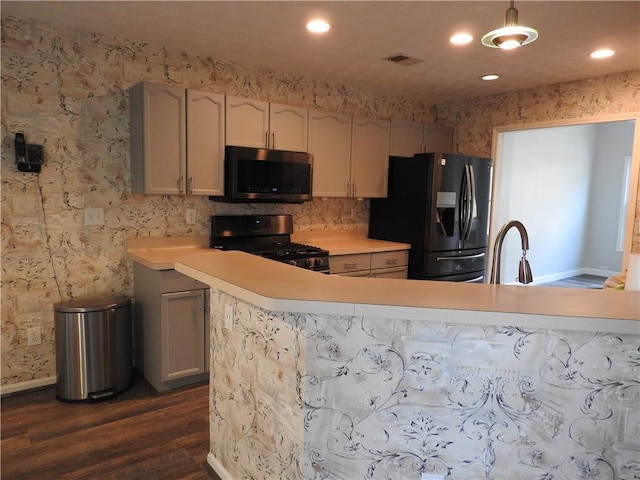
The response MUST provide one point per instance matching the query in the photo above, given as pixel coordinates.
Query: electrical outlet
(191, 216)
(34, 337)
(94, 216)
(228, 316)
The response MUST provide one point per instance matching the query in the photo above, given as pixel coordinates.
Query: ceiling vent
(403, 60)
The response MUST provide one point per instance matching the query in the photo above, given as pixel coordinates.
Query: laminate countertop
(346, 242)
(280, 287)
(160, 253)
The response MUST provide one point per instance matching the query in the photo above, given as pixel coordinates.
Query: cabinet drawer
(172, 281)
(394, 272)
(349, 263)
(396, 258)
(359, 273)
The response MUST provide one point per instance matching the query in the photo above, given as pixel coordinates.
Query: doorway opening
(563, 182)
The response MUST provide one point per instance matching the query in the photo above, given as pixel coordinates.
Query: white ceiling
(272, 34)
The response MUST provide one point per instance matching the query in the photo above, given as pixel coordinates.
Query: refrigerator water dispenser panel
(446, 200)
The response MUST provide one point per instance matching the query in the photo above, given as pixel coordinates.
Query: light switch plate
(94, 216)
(191, 216)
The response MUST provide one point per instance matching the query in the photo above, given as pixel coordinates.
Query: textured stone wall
(68, 91)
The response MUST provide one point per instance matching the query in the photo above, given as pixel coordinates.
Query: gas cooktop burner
(267, 236)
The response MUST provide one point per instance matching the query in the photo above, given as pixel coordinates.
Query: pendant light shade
(511, 35)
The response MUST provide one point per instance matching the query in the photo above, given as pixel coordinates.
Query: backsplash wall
(68, 90)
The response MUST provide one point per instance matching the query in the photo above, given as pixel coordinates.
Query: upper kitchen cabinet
(177, 140)
(330, 144)
(369, 157)
(205, 143)
(258, 124)
(350, 155)
(409, 138)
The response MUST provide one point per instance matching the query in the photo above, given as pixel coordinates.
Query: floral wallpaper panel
(329, 397)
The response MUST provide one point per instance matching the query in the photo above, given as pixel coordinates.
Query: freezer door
(454, 262)
(473, 277)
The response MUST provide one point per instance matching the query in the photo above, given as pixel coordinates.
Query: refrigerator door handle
(465, 203)
(462, 214)
(471, 200)
(460, 257)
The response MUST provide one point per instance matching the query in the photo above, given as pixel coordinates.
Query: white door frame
(497, 153)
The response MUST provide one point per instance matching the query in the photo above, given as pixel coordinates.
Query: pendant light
(511, 35)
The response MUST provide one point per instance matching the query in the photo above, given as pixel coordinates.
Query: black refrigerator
(438, 203)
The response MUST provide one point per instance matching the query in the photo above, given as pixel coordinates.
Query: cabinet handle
(190, 185)
(350, 265)
(391, 261)
(181, 184)
(266, 139)
(273, 139)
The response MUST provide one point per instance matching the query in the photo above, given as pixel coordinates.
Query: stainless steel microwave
(261, 175)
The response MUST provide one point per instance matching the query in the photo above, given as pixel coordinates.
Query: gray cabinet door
(183, 328)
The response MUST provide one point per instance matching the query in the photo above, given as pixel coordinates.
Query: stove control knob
(319, 262)
(293, 262)
(308, 262)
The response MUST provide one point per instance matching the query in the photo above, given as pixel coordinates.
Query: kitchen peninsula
(319, 376)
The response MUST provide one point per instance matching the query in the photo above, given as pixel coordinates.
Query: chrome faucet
(524, 270)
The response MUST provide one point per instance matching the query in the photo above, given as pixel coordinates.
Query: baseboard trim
(218, 468)
(598, 272)
(25, 386)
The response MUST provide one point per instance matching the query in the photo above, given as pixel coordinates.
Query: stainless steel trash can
(93, 348)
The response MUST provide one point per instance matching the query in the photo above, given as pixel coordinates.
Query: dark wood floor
(138, 435)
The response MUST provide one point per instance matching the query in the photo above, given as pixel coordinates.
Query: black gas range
(268, 236)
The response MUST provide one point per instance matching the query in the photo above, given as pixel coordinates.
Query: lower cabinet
(392, 264)
(174, 328)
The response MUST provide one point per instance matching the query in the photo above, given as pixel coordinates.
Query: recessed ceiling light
(318, 26)
(603, 53)
(490, 76)
(461, 38)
